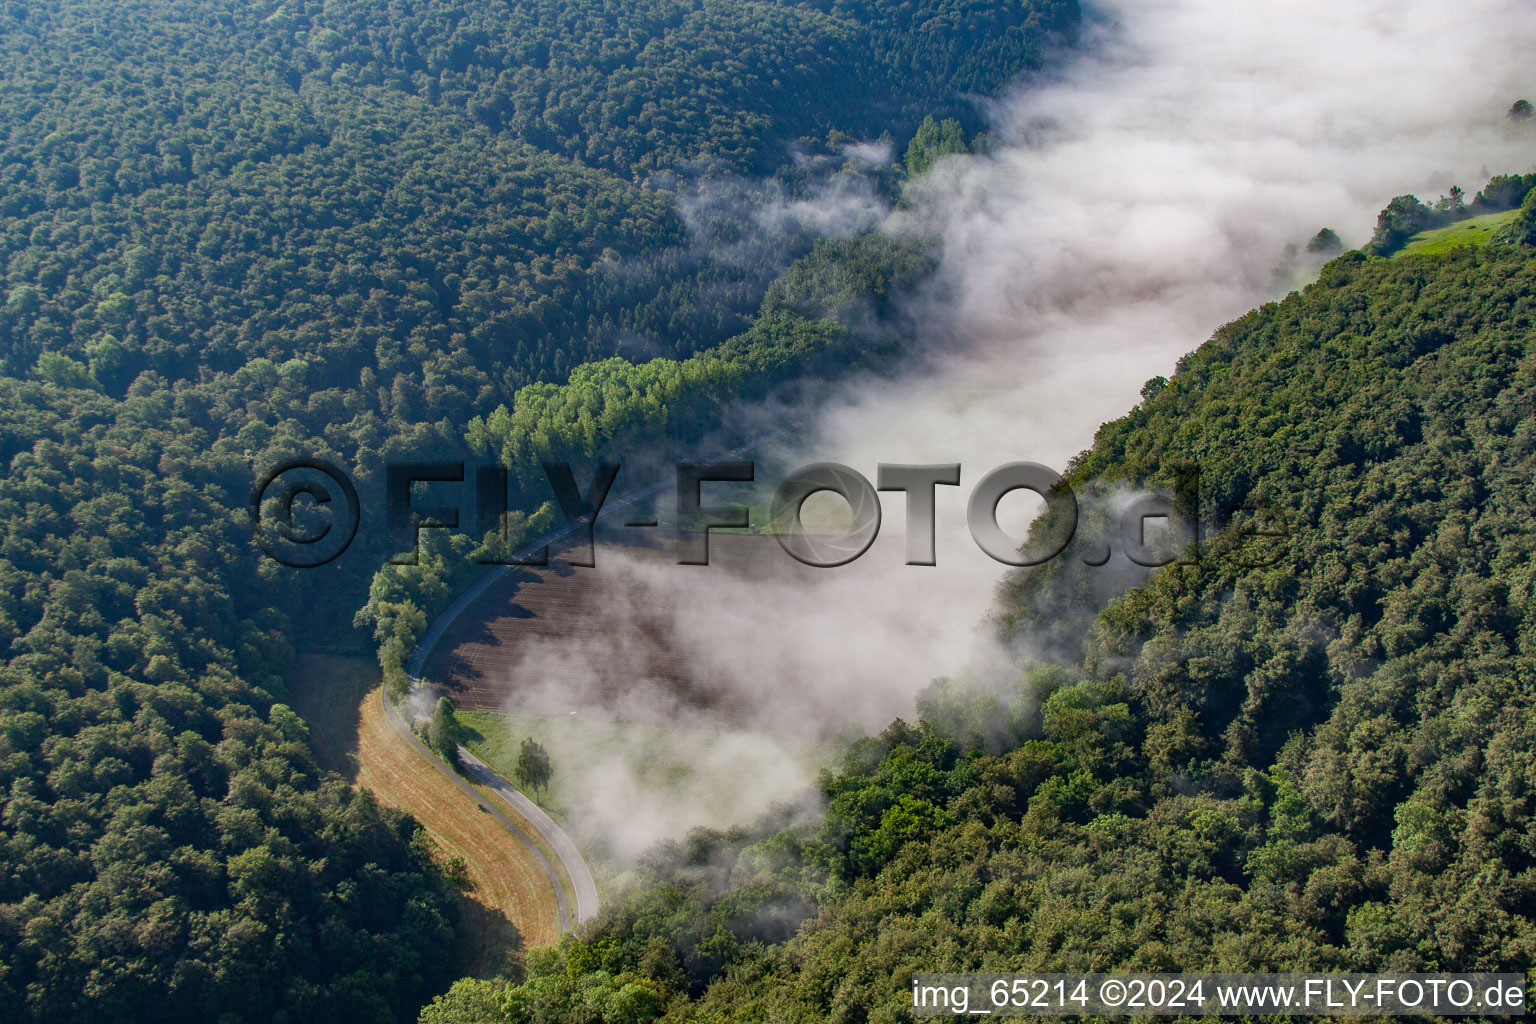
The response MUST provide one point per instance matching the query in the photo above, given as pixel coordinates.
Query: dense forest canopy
(457, 200)
(233, 232)
(1317, 760)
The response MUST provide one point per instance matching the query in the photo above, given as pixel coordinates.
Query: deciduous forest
(1310, 755)
(233, 232)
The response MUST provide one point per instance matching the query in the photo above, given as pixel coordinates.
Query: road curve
(507, 823)
(552, 834)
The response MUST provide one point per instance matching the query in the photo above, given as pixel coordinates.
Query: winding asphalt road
(553, 835)
(485, 805)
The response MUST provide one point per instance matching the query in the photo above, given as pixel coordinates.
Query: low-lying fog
(1132, 203)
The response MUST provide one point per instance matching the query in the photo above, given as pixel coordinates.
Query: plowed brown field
(615, 619)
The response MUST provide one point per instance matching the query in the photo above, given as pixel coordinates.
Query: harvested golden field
(510, 902)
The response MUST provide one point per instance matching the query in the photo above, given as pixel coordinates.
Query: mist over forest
(1290, 249)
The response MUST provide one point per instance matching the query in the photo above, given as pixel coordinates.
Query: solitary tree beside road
(443, 732)
(533, 767)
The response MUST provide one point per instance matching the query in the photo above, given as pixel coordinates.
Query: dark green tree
(1325, 243)
(1402, 218)
(533, 765)
(444, 732)
(1524, 228)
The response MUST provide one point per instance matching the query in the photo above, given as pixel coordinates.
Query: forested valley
(1303, 752)
(237, 232)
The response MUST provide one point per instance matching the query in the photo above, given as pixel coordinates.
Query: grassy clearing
(1474, 231)
(667, 761)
